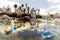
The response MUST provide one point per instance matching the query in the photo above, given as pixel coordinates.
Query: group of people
(23, 9)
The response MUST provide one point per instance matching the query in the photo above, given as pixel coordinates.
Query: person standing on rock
(8, 9)
(33, 15)
(4, 9)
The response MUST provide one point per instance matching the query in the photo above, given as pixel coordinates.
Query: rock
(5, 19)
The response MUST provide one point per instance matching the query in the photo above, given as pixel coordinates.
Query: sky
(45, 6)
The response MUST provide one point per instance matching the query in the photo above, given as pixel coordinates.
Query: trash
(11, 30)
(47, 34)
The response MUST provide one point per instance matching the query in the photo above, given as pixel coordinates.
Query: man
(8, 9)
(33, 16)
(15, 6)
(19, 11)
(33, 13)
(27, 8)
(4, 9)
